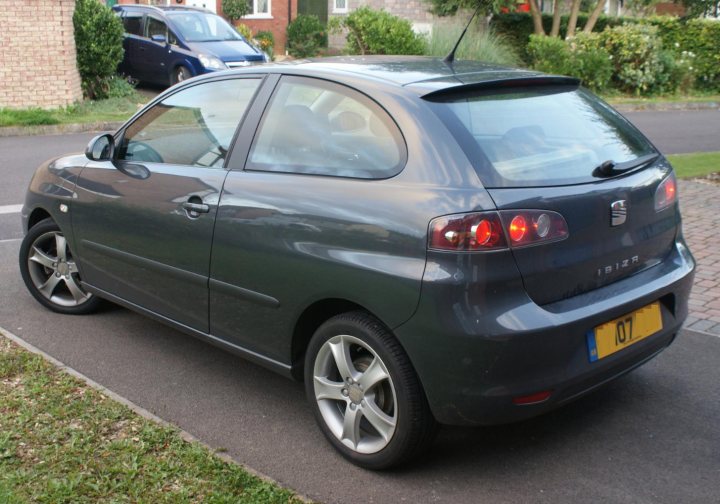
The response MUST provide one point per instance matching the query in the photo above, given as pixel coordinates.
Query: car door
(133, 27)
(154, 56)
(144, 222)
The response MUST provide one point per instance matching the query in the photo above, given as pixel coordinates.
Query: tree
(450, 7)
(235, 9)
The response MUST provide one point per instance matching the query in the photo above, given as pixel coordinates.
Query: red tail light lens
(467, 232)
(517, 228)
(532, 227)
(666, 193)
(488, 230)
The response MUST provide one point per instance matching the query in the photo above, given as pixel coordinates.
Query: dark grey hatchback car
(420, 242)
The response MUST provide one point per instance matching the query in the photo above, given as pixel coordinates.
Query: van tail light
(666, 193)
(486, 231)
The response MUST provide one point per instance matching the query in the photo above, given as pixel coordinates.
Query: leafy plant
(120, 88)
(98, 39)
(235, 9)
(378, 32)
(305, 36)
(266, 40)
(244, 30)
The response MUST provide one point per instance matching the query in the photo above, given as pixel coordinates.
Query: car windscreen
(539, 135)
(201, 27)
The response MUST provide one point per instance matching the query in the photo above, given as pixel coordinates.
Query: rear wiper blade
(610, 168)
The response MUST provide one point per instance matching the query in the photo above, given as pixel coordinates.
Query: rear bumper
(477, 345)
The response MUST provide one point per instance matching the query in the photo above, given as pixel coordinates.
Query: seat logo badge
(618, 213)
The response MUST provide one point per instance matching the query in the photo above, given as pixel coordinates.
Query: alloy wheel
(53, 271)
(355, 394)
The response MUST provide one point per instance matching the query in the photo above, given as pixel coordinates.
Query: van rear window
(538, 136)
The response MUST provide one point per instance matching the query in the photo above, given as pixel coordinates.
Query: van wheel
(365, 394)
(180, 74)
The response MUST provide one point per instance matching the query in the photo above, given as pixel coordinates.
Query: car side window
(318, 128)
(132, 23)
(155, 27)
(192, 127)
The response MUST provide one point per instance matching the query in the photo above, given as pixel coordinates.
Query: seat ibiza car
(420, 242)
(166, 45)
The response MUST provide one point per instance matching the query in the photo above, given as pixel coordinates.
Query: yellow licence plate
(613, 336)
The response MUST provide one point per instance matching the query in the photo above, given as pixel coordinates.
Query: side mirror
(158, 38)
(101, 148)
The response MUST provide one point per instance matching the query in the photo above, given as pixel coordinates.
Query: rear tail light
(467, 232)
(666, 193)
(496, 230)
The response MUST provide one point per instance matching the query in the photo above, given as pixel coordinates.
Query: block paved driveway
(700, 206)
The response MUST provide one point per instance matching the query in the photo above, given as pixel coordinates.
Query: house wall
(38, 65)
(277, 23)
(415, 11)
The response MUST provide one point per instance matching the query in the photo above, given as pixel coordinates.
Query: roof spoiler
(507, 82)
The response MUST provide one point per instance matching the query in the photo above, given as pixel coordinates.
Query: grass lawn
(112, 109)
(618, 99)
(63, 441)
(697, 164)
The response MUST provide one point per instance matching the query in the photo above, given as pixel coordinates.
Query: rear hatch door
(559, 148)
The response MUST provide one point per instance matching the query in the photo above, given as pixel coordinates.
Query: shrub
(635, 51)
(98, 39)
(582, 57)
(305, 36)
(120, 88)
(235, 9)
(589, 61)
(379, 32)
(266, 41)
(479, 44)
(548, 54)
(699, 37)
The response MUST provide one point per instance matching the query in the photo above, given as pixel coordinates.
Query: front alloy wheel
(365, 394)
(50, 272)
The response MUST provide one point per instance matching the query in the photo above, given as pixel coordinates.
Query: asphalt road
(651, 436)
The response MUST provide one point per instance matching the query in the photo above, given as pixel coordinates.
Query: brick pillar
(37, 60)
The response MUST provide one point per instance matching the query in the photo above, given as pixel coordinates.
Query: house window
(259, 9)
(340, 6)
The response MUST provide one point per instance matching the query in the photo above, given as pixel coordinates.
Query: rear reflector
(666, 193)
(535, 398)
(490, 230)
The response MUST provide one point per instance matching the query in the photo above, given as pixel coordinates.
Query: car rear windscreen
(538, 135)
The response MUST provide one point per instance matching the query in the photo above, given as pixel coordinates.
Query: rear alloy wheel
(365, 394)
(180, 74)
(50, 273)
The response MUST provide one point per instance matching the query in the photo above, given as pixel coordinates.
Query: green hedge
(518, 27)
(697, 36)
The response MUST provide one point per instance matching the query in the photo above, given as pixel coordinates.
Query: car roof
(421, 74)
(161, 8)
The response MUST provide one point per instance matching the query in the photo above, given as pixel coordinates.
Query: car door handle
(196, 207)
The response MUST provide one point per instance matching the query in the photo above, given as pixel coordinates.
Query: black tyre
(50, 273)
(365, 394)
(180, 74)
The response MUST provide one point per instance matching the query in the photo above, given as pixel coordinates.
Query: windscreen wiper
(610, 168)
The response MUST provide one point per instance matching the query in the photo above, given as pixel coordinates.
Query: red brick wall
(277, 25)
(38, 65)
